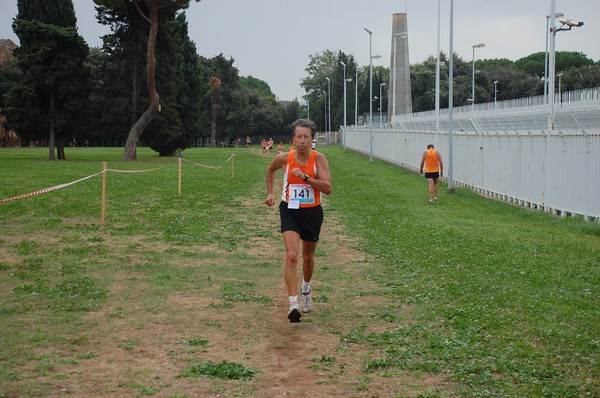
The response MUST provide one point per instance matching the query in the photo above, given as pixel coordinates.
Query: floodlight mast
(569, 23)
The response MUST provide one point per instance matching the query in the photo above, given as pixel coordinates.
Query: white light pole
(438, 65)
(329, 99)
(380, 98)
(495, 92)
(437, 81)
(450, 188)
(325, 110)
(370, 78)
(371, 93)
(557, 15)
(344, 65)
(473, 74)
(356, 100)
(345, 101)
(401, 35)
(567, 24)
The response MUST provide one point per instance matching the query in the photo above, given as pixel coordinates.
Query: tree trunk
(51, 132)
(213, 129)
(60, 147)
(134, 91)
(136, 132)
(138, 128)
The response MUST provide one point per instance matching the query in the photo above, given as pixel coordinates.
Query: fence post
(232, 157)
(179, 179)
(103, 193)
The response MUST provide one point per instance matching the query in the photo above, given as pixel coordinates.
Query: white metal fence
(504, 152)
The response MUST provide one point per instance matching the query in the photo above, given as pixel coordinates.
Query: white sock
(305, 287)
(293, 301)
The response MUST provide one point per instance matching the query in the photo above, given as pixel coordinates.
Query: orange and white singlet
(432, 161)
(296, 192)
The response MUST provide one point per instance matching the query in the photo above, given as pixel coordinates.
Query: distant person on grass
(306, 176)
(434, 169)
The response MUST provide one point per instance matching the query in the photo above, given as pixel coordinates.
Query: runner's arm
(323, 180)
(422, 162)
(277, 163)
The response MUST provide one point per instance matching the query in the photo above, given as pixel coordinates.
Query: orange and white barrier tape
(45, 190)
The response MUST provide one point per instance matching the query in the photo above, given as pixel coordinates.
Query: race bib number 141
(301, 194)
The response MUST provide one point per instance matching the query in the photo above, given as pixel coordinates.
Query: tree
(268, 116)
(121, 89)
(576, 78)
(52, 93)
(149, 10)
(534, 63)
(320, 67)
(337, 90)
(178, 81)
(422, 78)
(10, 75)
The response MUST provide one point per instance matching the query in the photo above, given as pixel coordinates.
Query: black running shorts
(305, 221)
(435, 175)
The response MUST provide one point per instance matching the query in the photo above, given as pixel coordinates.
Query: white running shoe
(294, 315)
(306, 302)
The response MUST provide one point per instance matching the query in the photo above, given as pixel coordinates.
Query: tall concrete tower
(399, 93)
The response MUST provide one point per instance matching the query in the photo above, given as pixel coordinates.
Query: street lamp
(371, 92)
(356, 99)
(557, 15)
(324, 110)
(450, 188)
(401, 35)
(437, 80)
(345, 101)
(370, 78)
(329, 99)
(438, 65)
(473, 74)
(380, 98)
(567, 24)
(495, 92)
(344, 65)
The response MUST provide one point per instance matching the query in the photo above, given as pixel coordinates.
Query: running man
(306, 176)
(434, 169)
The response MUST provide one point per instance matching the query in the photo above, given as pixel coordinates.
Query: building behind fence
(502, 150)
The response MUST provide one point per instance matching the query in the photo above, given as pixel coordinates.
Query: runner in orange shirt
(306, 176)
(264, 146)
(434, 169)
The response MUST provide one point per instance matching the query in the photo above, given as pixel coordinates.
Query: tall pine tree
(51, 97)
(150, 11)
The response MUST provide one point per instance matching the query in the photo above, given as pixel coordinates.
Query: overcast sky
(272, 39)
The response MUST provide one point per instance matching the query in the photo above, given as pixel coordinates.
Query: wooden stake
(232, 173)
(103, 193)
(179, 183)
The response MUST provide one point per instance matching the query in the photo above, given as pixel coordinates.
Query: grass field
(183, 295)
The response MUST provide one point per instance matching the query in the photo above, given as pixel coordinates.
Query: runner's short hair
(304, 123)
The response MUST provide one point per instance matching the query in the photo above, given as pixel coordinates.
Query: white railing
(504, 152)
